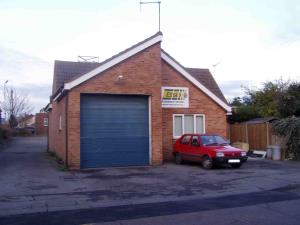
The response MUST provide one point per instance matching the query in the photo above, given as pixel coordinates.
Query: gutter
(58, 96)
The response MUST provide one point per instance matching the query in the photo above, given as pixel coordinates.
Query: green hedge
(289, 129)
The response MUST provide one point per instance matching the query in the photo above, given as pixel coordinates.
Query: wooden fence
(258, 135)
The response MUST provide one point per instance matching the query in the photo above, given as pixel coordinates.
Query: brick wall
(200, 103)
(40, 129)
(142, 75)
(57, 137)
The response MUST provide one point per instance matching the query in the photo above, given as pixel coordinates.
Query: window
(186, 139)
(177, 126)
(190, 123)
(213, 140)
(60, 123)
(195, 141)
(45, 122)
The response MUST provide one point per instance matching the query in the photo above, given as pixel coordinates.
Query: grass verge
(59, 162)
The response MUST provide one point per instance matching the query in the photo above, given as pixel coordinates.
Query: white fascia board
(48, 108)
(112, 62)
(177, 67)
(57, 96)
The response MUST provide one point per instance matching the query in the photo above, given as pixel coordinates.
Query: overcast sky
(251, 40)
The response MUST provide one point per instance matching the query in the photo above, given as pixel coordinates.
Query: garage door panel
(112, 152)
(114, 130)
(114, 145)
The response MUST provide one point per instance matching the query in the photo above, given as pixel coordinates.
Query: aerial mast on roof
(82, 58)
(154, 2)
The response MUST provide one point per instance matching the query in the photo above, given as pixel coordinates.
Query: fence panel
(258, 135)
(238, 132)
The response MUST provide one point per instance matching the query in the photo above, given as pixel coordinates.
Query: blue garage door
(114, 130)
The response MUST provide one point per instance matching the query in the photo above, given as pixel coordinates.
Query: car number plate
(234, 161)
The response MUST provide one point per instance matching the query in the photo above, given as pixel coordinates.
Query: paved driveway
(31, 182)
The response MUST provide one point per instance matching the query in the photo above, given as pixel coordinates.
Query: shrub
(4, 134)
(289, 129)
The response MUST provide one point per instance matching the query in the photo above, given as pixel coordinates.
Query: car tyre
(178, 159)
(236, 166)
(207, 163)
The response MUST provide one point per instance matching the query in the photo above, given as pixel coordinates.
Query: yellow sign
(175, 97)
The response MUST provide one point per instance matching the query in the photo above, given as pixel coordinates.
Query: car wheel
(178, 159)
(236, 166)
(207, 163)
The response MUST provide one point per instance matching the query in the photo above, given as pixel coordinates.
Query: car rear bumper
(227, 160)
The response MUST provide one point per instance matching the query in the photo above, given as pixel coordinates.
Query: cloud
(234, 88)
(18, 67)
(30, 75)
(254, 40)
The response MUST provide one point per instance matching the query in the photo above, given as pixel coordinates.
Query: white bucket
(276, 153)
(269, 152)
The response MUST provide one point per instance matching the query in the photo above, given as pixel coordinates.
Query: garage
(129, 109)
(114, 130)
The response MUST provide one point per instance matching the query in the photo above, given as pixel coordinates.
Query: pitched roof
(206, 78)
(210, 90)
(70, 74)
(114, 60)
(65, 71)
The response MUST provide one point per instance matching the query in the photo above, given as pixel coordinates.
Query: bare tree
(15, 104)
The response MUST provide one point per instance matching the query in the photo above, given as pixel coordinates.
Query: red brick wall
(57, 137)
(142, 75)
(40, 129)
(199, 103)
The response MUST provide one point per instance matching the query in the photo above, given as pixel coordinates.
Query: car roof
(202, 134)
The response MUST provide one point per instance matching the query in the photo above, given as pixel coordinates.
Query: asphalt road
(34, 191)
(237, 203)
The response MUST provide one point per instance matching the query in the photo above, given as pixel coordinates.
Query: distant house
(41, 123)
(26, 121)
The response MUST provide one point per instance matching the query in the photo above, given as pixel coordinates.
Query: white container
(269, 152)
(276, 153)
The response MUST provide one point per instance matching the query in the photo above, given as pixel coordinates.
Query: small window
(45, 122)
(199, 124)
(188, 124)
(178, 126)
(186, 139)
(60, 123)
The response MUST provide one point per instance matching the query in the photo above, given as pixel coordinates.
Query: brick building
(130, 108)
(41, 123)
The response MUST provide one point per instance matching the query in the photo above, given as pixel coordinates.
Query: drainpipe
(66, 128)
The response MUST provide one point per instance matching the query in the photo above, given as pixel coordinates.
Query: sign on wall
(175, 97)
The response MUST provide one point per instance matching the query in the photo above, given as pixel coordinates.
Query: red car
(210, 150)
